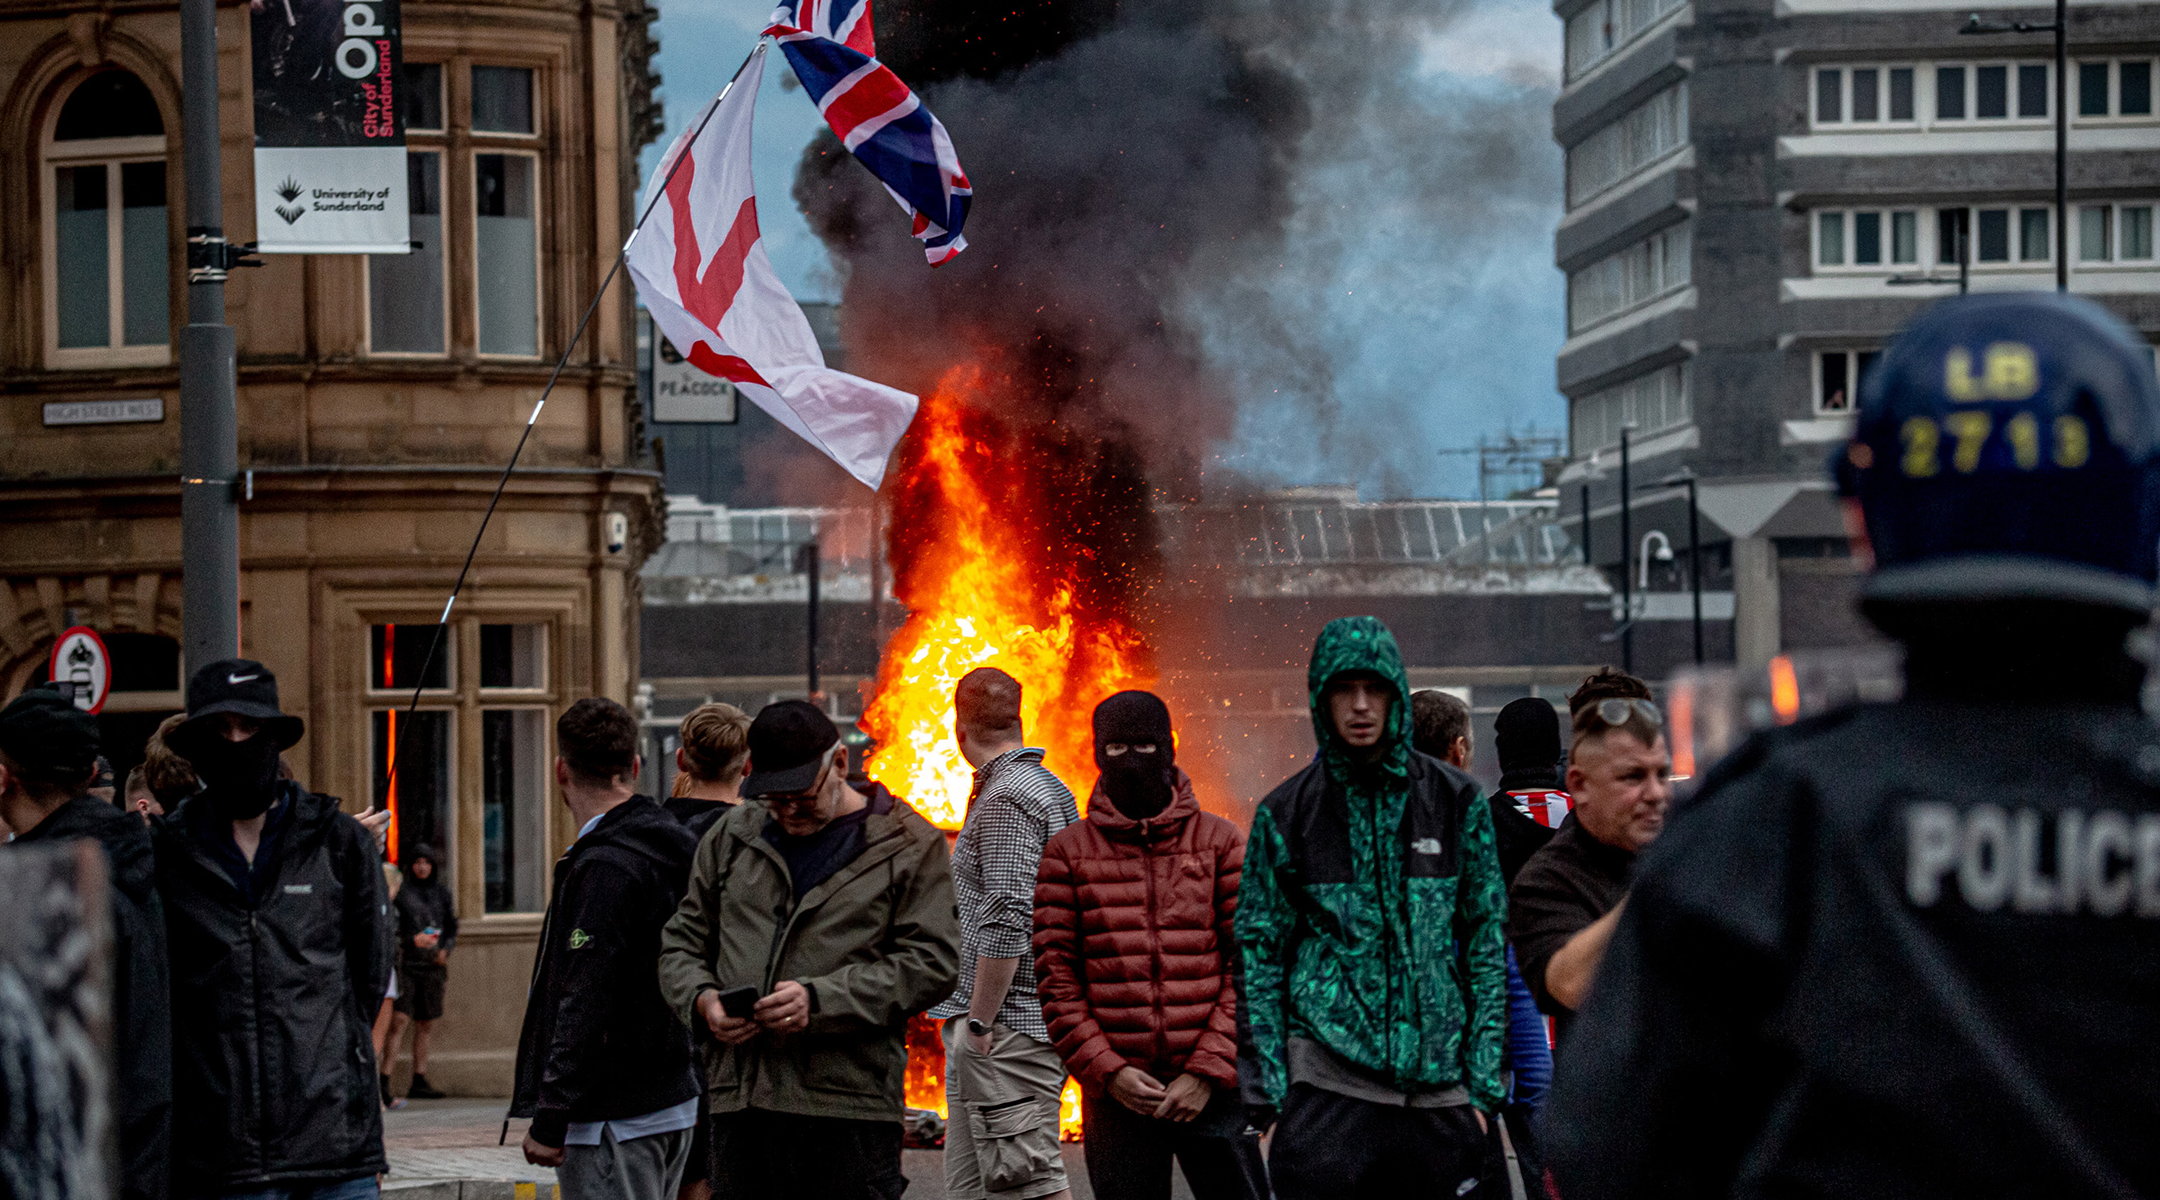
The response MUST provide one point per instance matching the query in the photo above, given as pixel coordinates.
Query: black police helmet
(2008, 448)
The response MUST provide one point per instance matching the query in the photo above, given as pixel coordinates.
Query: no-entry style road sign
(80, 658)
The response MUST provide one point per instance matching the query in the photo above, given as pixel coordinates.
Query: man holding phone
(818, 919)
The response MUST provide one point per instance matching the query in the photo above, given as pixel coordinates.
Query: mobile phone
(737, 1002)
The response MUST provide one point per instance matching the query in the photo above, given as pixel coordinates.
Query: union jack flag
(881, 122)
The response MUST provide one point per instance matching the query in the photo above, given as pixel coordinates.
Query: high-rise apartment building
(1760, 193)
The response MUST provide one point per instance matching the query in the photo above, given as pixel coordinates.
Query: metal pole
(2062, 145)
(1586, 525)
(1964, 244)
(810, 567)
(1694, 565)
(209, 429)
(1627, 562)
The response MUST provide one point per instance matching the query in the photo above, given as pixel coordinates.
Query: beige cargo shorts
(1001, 1128)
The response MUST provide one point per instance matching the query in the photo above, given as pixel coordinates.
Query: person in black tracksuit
(426, 933)
(603, 1065)
(278, 928)
(1913, 949)
(45, 742)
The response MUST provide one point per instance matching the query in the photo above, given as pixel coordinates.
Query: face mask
(241, 776)
(1140, 785)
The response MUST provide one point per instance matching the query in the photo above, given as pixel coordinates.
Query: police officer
(1913, 949)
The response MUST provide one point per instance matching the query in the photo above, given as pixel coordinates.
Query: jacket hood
(125, 838)
(641, 826)
(1183, 806)
(1359, 644)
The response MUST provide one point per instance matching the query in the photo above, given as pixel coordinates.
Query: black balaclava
(1526, 735)
(1140, 785)
(241, 777)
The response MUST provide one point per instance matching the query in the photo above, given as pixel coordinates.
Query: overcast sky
(1435, 287)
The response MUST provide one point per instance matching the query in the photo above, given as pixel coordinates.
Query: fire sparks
(990, 556)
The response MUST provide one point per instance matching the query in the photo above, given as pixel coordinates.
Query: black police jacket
(1901, 950)
(599, 1042)
(273, 1000)
(142, 1025)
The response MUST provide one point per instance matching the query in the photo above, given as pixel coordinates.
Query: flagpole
(443, 622)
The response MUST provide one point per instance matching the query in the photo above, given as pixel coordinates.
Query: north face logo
(1426, 845)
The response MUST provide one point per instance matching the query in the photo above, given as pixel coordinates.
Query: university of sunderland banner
(330, 174)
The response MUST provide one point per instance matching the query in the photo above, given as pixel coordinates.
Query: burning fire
(988, 578)
(995, 555)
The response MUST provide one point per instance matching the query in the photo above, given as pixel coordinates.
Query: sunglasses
(1617, 711)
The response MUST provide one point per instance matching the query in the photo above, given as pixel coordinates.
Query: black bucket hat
(242, 687)
(789, 742)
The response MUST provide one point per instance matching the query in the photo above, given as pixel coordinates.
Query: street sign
(684, 393)
(79, 658)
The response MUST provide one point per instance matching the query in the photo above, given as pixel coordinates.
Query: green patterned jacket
(1371, 908)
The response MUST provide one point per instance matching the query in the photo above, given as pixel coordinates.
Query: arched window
(108, 295)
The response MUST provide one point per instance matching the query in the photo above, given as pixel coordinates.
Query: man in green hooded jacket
(1375, 970)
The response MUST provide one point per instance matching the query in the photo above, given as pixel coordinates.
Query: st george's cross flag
(701, 270)
(881, 122)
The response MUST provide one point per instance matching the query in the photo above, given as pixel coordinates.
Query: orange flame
(987, 582)
(925, 1082)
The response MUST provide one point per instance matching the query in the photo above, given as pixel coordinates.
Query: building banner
(329, 128)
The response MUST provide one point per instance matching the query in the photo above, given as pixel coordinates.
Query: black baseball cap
(240, 686)
(789, 742)
(42, 728)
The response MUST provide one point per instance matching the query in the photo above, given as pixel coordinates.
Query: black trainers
(421, 1089)
(389, 1101)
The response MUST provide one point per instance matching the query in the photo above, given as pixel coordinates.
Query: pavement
(458, 1150)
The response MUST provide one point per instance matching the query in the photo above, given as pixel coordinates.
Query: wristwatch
(978, 1028)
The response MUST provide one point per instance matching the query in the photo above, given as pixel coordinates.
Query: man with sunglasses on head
(818, 919)
(1565, 901)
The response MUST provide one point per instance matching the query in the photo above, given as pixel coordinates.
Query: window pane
(1901, 93)
(145, 289)
(2033, 234)
(109, 104)
(1835, 397)
(1830, 239)
(1828, 103)
(1993, 87)
(2135, 88)
(81, 236)
(2092, 89)
(512, 807)
(1867, 237)
(423, 95)
(1949, 93)
(1864, 94)
(405, 291)
(418, 800)
(2137, 241)
(2032, 90)
(1994, 235)
(1947, 222)
(1905, 237)
(395, 653)
(502, 100)
(511, 656)
(506, 254)
(2093, 230)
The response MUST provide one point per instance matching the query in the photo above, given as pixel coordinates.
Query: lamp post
(806, 561)
(1686, 478)
(2061, 30)
(1627, 554)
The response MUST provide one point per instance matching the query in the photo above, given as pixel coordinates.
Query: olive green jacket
(875, 944)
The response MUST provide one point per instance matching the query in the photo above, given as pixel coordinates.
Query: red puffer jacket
(1133, 941)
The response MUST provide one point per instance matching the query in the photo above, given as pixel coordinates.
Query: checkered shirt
(1016, 806)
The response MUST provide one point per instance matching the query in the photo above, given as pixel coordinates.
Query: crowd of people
(1897, 948)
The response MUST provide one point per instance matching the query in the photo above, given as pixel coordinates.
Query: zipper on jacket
(1154, 937)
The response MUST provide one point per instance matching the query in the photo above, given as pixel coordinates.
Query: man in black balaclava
(279, 931)
(1529, 804)
(48, 759)
(1133, 751)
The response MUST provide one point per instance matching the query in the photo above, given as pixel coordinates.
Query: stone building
(378, 399)
(1761, 192)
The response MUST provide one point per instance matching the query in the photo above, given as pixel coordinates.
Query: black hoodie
(274, 997)
(142, 1025)
(600, 1044)
(424, 904)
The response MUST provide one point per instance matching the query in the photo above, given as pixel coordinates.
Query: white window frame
(1668, 259)
(1846, 122)
(2115, 260)
(1923, 256)
(2114, 114)
(111, 153)
(1851, 355)
(1972, 120)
